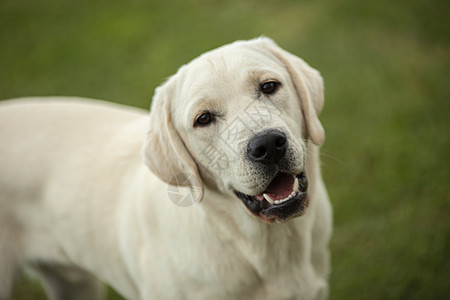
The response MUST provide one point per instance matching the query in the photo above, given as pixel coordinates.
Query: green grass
(386, 69)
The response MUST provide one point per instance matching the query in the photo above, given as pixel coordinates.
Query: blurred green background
(386, 68)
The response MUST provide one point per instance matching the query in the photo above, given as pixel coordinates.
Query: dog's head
(238, 119)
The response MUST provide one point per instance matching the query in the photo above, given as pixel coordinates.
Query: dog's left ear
(309, 86)
(164, 151)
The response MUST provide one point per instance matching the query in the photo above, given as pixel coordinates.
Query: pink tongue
(281, 186)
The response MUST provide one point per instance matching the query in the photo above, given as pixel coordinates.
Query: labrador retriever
(216, 195)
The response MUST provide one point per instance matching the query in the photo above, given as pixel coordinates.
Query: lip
(279, 212)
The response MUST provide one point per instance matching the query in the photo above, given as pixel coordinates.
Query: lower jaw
(285, 211)
(277, 213)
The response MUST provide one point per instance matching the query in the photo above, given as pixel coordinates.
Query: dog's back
(37, 132)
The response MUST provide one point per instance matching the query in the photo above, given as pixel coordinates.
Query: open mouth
(285, 197)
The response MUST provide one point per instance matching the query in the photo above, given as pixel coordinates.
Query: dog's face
(238, 118)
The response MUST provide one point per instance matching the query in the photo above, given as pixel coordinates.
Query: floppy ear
(164, 151)
(309, 86)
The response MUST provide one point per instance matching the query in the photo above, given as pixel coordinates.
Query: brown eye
(270, 87)
(204, 119)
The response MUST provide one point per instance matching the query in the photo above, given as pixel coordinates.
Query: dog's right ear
(164, 151)
(308, 84)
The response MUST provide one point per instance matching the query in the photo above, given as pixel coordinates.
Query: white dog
(84, 197)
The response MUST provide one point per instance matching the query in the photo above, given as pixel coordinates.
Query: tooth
(267, 197)
(295, 185)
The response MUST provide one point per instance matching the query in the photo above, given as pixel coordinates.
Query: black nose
(267, 147)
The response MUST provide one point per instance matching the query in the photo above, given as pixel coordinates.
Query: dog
(216, 194)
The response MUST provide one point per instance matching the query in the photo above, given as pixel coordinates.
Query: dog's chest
(255, 271)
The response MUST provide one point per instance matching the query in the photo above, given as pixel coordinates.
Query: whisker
(331, 158)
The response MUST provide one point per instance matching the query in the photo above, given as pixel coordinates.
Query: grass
(386, 69)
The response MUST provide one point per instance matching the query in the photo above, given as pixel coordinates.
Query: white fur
(76, 197)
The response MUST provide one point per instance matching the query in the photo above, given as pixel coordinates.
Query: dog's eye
(204, 119)
(269, 87)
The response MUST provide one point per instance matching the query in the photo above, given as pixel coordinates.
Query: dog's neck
(266, 246)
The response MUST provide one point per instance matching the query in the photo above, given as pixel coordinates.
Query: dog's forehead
(234, 58)
(228, 67)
